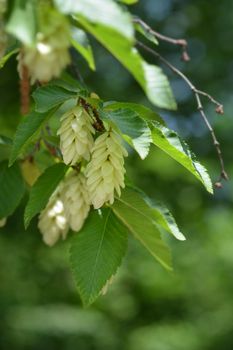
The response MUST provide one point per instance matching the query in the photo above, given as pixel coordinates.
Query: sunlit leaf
(104, 12)
(168, 141)
(150, 77)
(22, 22)
(81, 44)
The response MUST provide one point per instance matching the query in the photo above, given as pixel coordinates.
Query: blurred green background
(146, 308)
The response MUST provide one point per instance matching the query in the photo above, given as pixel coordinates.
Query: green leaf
(27, 132)
(6, 57)
(146, 33)
(168, 141)
(42, 190)
(68, 83)
(104, 12)
(129, 2)
(22, 23)
(81, 44)
(96, 253)
(136, 131)
(150, 77)
(50, 96)
(143, 112)
(137, 216)
(11, 189)
(163, 218)
(161, 215)
(5, 141)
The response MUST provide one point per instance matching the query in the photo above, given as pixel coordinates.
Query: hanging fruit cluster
(96, 174)
(49, 54)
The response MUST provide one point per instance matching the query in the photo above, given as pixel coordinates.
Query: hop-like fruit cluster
(76, 138)
(50, 55)
(76, 200)
(52, 221)
(85, 185)
(105, 172)
(68, 207)
(3, 222)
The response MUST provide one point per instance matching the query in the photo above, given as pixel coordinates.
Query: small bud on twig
(185, 56)
(219, 109)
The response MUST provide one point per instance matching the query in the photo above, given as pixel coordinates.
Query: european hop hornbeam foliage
(77, 144)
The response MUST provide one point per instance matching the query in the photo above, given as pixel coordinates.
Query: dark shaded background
(146, 308)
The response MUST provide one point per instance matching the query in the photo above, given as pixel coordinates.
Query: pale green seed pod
(50, 55)
(53, 223)
(76, 200)
(105, 172)
(76, 135)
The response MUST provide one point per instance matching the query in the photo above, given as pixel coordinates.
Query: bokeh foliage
(146, 308)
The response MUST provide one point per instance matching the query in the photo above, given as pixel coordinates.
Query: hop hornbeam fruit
(76, 200)
(50, 55)
(76, 140)
(3, 222)
(105, 172)
(52, 220)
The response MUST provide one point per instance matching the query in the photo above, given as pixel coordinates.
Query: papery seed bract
(50, 55)
(76, 142)
(53, 223)
(76, 199)
(105, 172)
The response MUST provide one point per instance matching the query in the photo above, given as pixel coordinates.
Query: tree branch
(197, 93)
(179, 42)
(98, 125)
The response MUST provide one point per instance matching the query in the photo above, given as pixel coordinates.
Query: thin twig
(53, 150)
(98, 125)
(219, 106)
(197, 93)
(180, 42)
(35, 149)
